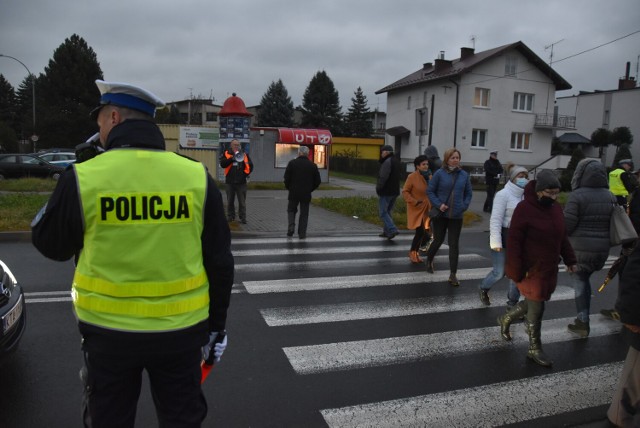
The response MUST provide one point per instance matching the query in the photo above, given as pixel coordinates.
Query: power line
(604, 44)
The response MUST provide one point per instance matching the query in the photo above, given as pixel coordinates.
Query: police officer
(492, 172)
(622, 182)
(237, 167)
(154, 269)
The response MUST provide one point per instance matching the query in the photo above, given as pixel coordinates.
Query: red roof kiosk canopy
(304, 136)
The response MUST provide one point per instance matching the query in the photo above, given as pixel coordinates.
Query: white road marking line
(314, 314)
(358, 281)
(529, 398)
(321, 250)
(339, 356)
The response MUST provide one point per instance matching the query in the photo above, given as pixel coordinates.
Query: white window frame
(478, 138)
(521, 141)
(481, 97)
(510, 66)
(523, 102)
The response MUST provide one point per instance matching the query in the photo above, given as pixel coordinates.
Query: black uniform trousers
(112, 388)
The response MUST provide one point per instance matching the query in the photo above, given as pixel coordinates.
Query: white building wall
(589, 109)
(499, 119)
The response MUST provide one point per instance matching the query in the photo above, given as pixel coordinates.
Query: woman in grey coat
(587, 215)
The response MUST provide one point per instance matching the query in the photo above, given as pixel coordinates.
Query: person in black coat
(300, 178)
(625, 405)
(492, 171)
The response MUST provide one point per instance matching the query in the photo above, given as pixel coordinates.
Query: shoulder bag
(435, 211)
(621, 229)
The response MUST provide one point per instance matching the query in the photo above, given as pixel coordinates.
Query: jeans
(385, 206)
(582, 288)
(497, 273)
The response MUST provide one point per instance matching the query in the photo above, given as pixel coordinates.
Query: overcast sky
(184, 48)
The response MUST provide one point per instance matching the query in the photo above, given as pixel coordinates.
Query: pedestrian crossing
(352, 311)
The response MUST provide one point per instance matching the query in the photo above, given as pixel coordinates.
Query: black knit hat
(546, 179)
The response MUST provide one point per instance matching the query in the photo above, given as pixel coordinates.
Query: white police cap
(126, 95)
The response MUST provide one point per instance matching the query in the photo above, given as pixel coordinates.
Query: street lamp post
(34, 137)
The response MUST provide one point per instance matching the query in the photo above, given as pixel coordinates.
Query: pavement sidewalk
(267, 212)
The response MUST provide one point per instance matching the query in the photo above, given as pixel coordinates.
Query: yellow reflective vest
(141, 267)
(615, 183)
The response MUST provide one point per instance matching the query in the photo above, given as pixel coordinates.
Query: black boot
(504, 321)
(535, 351)
(292, 224)
(430, 268)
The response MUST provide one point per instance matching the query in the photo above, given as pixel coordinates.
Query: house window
(481, 98)
(605, 119)
(520, 141)
(479, 138)
(522, 102)
(211, 116)
(510, 66)
(409, 102)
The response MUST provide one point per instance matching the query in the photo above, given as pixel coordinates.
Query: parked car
(18, 165)
(13, 314)
(58, 158)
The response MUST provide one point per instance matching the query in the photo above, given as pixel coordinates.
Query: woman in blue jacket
(450, 191)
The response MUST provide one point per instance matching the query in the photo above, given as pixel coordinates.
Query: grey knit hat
(515, 171)
(546, 179)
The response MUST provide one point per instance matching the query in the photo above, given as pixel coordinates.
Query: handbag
(621, 230)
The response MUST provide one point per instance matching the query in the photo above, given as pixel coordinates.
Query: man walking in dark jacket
(300, 178)
(492, 171)
(388, 189)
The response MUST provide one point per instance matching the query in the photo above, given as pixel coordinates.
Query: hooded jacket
(435, 163)
(587, 214)
(537, 239)
(503, 206)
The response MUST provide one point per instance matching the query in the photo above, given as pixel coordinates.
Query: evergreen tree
(621, 135)
(8, 138)
(276, 107)
(68, 94)
(321, 104)
(23, 124)
(567, 174)
(601, 138)
(357, 123)
(622, 153)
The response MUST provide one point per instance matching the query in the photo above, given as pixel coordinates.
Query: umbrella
(615, 268)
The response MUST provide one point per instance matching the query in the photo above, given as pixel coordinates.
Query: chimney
(627, 82)
(441, 63)
(466, 53)
(427, 65)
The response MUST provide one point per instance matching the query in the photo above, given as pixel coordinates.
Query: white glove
(218, 346)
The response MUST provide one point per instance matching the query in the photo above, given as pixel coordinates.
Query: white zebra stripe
(315, 314)
(399, 350)
(488, 405)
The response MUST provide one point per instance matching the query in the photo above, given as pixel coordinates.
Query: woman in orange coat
(414, 193)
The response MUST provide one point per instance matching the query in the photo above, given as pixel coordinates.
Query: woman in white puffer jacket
(503, 205)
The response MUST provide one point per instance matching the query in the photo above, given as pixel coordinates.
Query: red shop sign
(304, 136)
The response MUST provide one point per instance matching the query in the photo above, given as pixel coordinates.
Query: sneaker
(611, 314)
(580, 328)
(383, 235)
(484, 297)
(392, 235)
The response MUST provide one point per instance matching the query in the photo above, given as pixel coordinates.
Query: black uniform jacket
(59, 235)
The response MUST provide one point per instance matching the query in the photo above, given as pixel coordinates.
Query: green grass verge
(366, 208)
(17, 209)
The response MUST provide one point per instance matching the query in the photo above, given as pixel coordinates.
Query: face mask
(521, 182)
(546, 201)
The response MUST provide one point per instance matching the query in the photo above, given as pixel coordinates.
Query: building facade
(500, 99)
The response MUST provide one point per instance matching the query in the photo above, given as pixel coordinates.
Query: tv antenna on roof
(473, 41)
(551, 46)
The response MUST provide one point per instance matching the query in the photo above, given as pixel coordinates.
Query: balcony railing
(555, 121)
